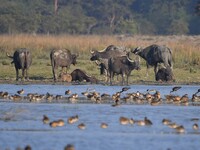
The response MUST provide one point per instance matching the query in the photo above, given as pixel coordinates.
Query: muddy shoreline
(50, 81)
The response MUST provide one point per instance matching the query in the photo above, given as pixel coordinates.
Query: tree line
(152, 17)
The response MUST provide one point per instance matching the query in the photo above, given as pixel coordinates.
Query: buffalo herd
(113, 60)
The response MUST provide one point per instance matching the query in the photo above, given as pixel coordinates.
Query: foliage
(100, 17)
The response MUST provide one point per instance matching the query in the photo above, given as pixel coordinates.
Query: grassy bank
(186, 53)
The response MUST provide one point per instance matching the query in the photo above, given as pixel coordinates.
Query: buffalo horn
(129, 59)
(92, 51)
(9, 55)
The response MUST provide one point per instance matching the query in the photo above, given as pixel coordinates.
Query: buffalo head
(136, 50)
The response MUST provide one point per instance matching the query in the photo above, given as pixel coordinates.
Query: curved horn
(9, 55)
(92, 51)
(97, 62)
(129, 59)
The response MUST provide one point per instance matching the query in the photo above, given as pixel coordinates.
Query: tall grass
(186, 49)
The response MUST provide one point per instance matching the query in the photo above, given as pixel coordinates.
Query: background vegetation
(186, 53)
(150, 17)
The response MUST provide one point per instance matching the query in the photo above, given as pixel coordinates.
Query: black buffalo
(103, 56)
(61, 58)
(155, 54)
(22, 59)
(164, 74)
(80, 75)
(122, 65)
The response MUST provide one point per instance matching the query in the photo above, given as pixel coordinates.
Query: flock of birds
(152, 97)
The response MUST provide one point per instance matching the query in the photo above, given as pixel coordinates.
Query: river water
(21, 121)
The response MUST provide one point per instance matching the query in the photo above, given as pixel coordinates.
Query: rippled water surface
(21, 122)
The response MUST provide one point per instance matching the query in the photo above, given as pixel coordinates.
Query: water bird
(172, 125)
(131, 121)
(176, 88)
(180, 129)
(45, 119)
(105, 96)
(125, 89)
(195, 126)
(82, 126)
(20, 91)
(67, 92)
(53, 124)
(151, 90)
(73, 119)
(60, 122)
(156, 102)
(28, 147)
(147, 121)
(195, 98)
(15, 97)
(166, 121)
(117, 103)
(69, 147)
(104, 125)
(141, 122)
(59, 97)
(124, 120)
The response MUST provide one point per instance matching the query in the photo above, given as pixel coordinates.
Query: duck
(15, 97)
(131, 121)
(60, 122)
(20, 91)
(28, 147)
(184, 98)
(195, 126)
(125, 89)
(141, 122)
(180, 129)
(53, 124)
(117, 103)
(124, 120)
(59, 97)
(45, 119)
(82, 126)
(176, 88)
(155, 102)
(172, 125)
(67, 92)
(105, 96)
(69, 147)
(73, 119)
(195, 98)
(104, 125)
(166, 121)
(147, 121)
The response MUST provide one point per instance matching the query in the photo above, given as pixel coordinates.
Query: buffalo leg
(27, 75)
(23, 70)
(54, 74)
(17, 74)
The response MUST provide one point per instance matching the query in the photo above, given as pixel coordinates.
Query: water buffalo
(61, 58)
(103, 56)
(122, 65)
(155, 54)
(22, 59)
(80, 75)
(164, 74)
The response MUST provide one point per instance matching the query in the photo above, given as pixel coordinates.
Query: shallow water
(21, 122)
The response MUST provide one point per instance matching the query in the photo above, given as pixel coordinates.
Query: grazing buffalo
(103, 56)
(80, 75)
(122, 65)
(164, 74)
(155, 54)
(61, 58)
(22, 59)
